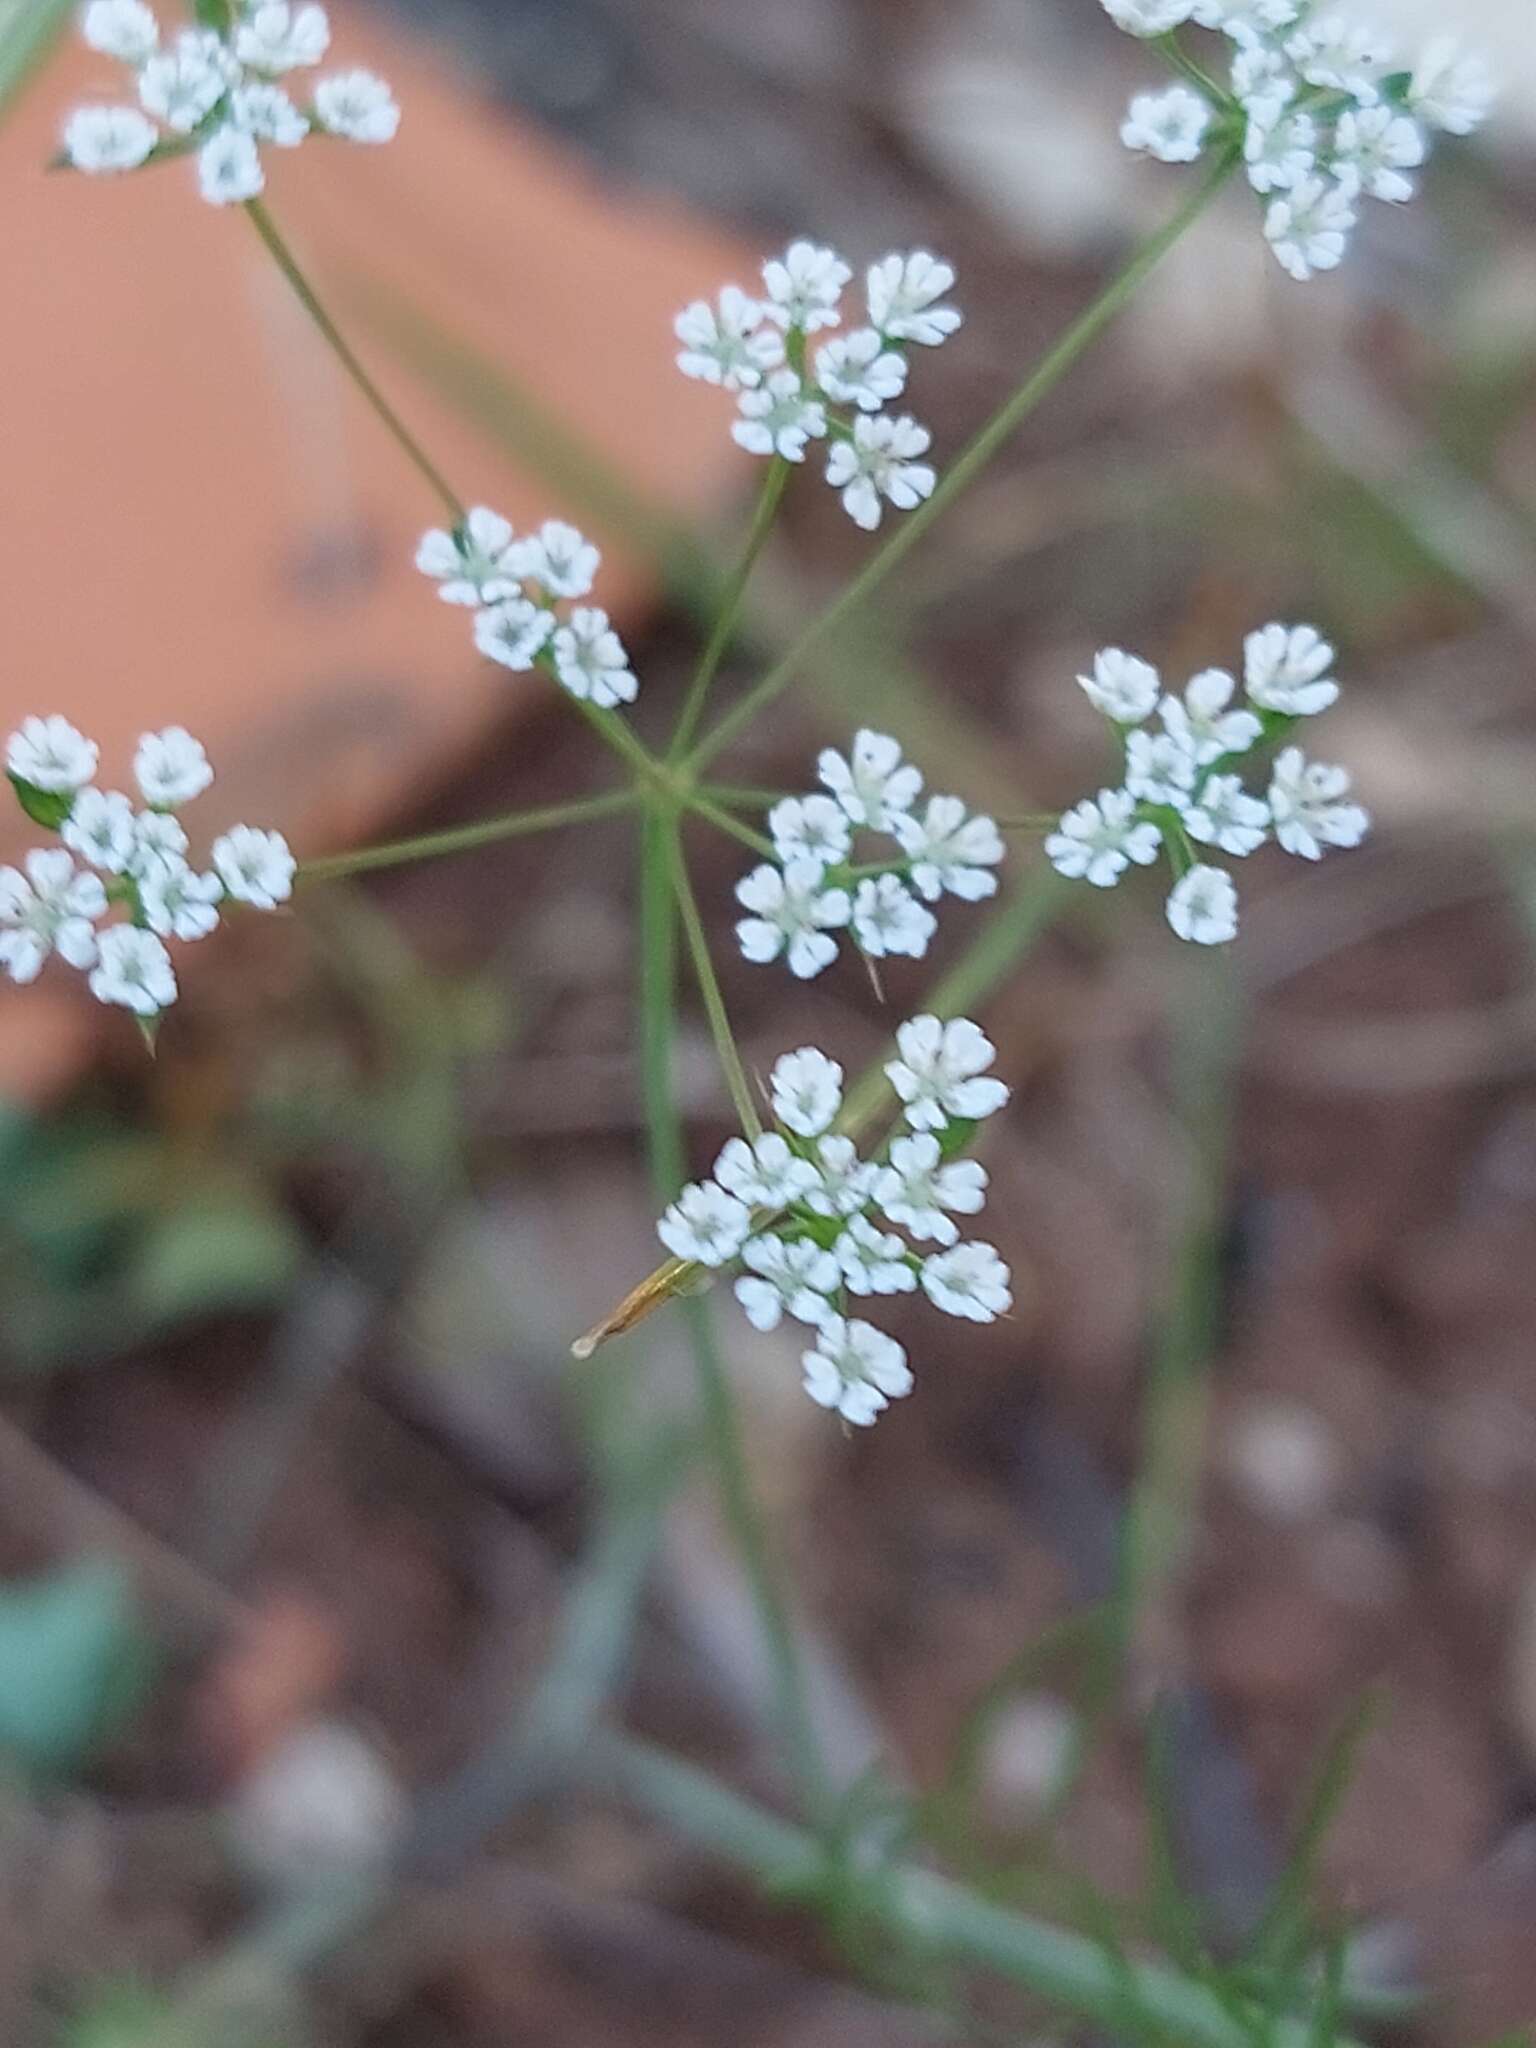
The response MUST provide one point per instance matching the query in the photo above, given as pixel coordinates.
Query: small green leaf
(73, 1661)
(46, 807)
(213, 14)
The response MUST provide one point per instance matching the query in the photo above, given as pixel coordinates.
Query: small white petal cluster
(806, 1224)
(525, 596)
(1323, 114)
(217, 94)
(119, 854)
(814, 887)
(1180, 791)
(795, 383)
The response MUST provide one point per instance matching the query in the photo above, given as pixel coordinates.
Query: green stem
(465, 838)
(916, 1908)
(733, 828)
(341, 348)
(1173, 52)
(970, 464)
(730, 606)
(714, 1001)
(659, 904)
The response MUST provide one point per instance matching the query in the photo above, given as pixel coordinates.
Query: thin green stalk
(612, 730)
(714, 1001)
(341, 348)
(917, 1908)
(724, 629)
(465, 838)
(659, 905)
(733, 828)
(1052, 367)
(1173, 52)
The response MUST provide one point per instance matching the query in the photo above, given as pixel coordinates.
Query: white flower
(1148, 17)
(871, 785)
(855, 1370)
(888, 919)
(1260, 72)
(1159, 768)
(229, 168)
(874, 1261)
(276, 38)
(178, 902)
(1203, 907)
(1286, 670)
(949, 850)
(1308, 227)
(845, 1183)
(1245, 21)
(729, 345)
(807, 1091)
(804, 287)
(1225, 815)
(51, 908)
(50, 754)
(1450, 90)
(765, 1174)
(134, 970)
(1169, 125)
(171, 767)
(590, 659)
(916, 1191)
(470, 565)
(108, 138)
(878, 463)
(562, 561)
(1372, 148)
(793, 1279)
(779, 418)
(124, 29)
(791, 914)
(1306, 801)
(255, 867)
(1122, 686)
(970, 1281)
(514, 632)
(181, 86)
(265, 111)
(157, 836)
(706, 1225)
(810, 828)
(1340, 54)
(102, 829)
(858, 369)
(1202, 723)
(357, 105)
(1097, 840)
(1280, 147)
(901, 292)
(941, 1073)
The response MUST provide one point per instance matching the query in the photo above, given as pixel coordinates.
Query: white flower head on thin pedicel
(133, 970)
(1096, 841)
(952, 851)
(1309, 226)
(106, 139)
(256, 867)
(880, 463)
(514, 632)
(470, 565)
(807, 1091)
(941, 1073)
(178, 902)
(125, 29)
(810, 828)
(1203, 723)
(1308, 801)
(902, 294)
(1169, 125)
(919, 1192)
(858, 369)
(590, 660)
(792, 914)
(357, 105)
(805, 287)
(765, 1173)
(275, 38)
(872, 785)
(706, 1225)
(1286, 669)
(102, 829)
(732, 343)
(888, 919)
(969, 1280)
(1148, 17)
(779, 417)
(559, 558)
(171, 768)
(1122, 686)
(786, 1277)
(855, 1370)
(51, 755)
(48, 906)
(1202, 906)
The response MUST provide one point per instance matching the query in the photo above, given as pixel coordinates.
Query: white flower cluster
(1324, 116)
(804, 1220)
(792, 390)
(1180, 790)
(813, 888)
(516, 588)
(216, 93)
(118, 855)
